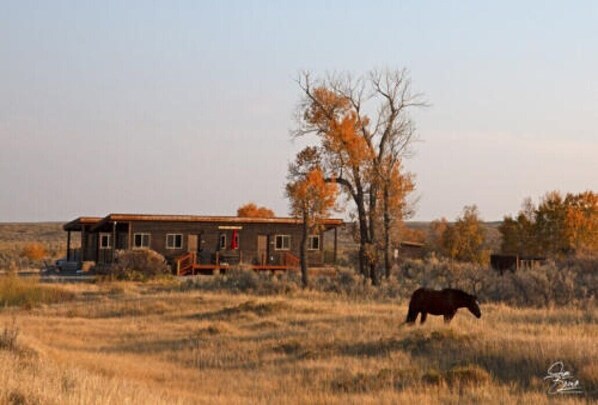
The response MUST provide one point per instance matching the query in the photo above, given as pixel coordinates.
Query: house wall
(88, 244)
(90, 249)
(210, 237)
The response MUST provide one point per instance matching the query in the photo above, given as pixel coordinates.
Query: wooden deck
(211, 269)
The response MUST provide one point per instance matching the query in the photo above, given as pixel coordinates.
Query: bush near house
(34, 251)
(138, 265)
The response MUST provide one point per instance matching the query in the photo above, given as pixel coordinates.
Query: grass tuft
(470, 374)
(9, 336)
(364, 382)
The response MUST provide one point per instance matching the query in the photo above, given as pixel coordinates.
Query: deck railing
(185, 263)
(290, 260)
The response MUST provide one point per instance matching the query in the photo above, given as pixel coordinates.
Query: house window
(222, 243)
(174, 241)
(105, 241)
(282, 242)
(141, 241)
(235, 242)
(313, 242)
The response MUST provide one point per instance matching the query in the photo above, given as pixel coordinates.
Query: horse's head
(474, 306)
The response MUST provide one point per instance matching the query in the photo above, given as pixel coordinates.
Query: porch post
(84, 236)
(129, 237)
(68, 246)
(113, 241)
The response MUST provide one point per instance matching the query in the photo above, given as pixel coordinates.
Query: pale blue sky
(186, 106)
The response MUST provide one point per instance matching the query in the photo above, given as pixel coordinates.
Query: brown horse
(445, 302)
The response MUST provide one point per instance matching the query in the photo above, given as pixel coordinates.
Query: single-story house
(192, 243)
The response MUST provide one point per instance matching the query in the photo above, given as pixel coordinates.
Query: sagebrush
(570, 282)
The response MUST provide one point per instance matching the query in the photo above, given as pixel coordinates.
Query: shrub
(34, 251)
(138, 265)
(566, 283)
(569, 282)
(238, 280)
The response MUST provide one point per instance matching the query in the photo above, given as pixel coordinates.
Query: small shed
(502, 262)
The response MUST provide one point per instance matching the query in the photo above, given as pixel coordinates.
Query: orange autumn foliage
(559, 225)
(339, 127)
(326, 105)
(344, 139)
(581, 221)
(34, 251)
(312, 197)
(251, 210)
(398, 185)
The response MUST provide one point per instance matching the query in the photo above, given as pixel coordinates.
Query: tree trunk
(373, 237)
(358, 195)
(387, 247)
(359, 199)
(375, 277)
(364, 260)
(363, 251)
(303, 251)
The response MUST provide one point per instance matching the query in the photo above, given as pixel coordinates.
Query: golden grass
(135, 343)
(28, 292)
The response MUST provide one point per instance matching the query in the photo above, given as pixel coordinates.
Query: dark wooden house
(410, 250)
(193, 244)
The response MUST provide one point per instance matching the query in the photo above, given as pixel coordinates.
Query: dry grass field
(159, 343)
(14, 237)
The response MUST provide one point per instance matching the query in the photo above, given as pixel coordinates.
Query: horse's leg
(449, 317)
(423, 318)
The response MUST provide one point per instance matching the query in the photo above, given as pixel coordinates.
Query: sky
(186, 107)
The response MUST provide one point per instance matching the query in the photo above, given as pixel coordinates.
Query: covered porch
(78, 230)
(99, 239)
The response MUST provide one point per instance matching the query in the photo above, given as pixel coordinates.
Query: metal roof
(98, 222)
(77, 224)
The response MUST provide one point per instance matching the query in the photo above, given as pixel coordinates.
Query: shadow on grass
(249, 307)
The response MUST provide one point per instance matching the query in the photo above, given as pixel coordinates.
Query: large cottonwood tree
(364, 131)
